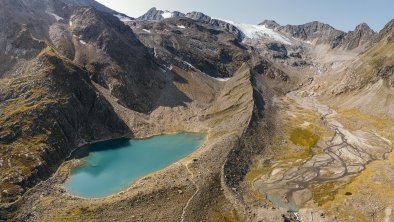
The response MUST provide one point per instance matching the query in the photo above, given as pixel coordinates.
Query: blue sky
(342, 14)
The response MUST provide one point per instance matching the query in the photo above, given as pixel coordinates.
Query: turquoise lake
(114, 165)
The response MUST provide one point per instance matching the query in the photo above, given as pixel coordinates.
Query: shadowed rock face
(115, 58)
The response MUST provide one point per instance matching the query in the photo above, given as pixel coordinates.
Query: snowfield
(258, 32)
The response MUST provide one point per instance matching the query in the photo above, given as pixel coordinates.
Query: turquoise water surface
(113, 165)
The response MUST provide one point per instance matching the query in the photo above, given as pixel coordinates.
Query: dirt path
(191, 198)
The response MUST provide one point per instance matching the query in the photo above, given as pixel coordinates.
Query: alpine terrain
(299, 119)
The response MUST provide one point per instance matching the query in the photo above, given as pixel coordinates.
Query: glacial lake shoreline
(112, 166)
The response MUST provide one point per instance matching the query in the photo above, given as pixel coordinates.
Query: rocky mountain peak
(157, 14)
(363, 27)
(270, 24)
(199, 16)
(361, 36)
(317, 32)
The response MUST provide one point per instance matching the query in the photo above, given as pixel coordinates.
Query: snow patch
(146, 30)
(123, 18)
(162, 70)
(70, 23)
(166, 14)
(193, 67)
(190, 65)
(83, 42)
(221, 79)
(276, 171)
(181, 26)
(58, 18)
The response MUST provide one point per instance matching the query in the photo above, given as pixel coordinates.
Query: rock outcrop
(157, 14)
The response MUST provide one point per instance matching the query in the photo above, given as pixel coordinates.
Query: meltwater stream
(112, 166)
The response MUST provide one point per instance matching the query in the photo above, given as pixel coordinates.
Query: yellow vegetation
(303, 137)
